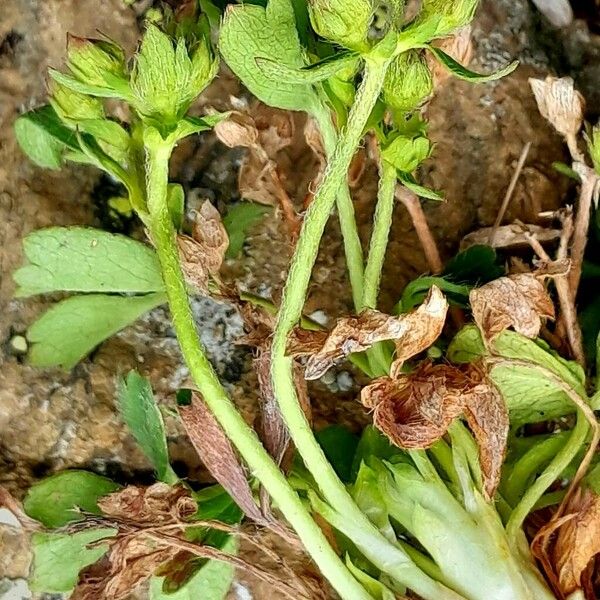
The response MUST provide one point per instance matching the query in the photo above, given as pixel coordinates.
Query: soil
(51, 420)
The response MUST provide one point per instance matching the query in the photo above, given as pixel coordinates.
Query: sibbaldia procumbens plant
(439, 512)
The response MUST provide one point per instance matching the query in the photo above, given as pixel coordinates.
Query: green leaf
(238, 220)
(54, 500)
(250, 32)
(530, 397)
(44, 138)
(58, 558)
(211, 582)
(462, 72)
(339, 445)
(190, 125)
(414, 293)
(375, 588)
(71, 329)
(408, 181)
(566, 170)
(477, 265)
(319, 71)
(140, 412)
(78, 259)
(86, 88)
(372, 443)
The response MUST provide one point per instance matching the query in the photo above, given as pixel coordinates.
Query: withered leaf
(157, 504)
(202, 255)
(129, 561)
(518, 301)
(577, 541)
(415, 410)
(218, 455)
(559, 103)
(413, 332)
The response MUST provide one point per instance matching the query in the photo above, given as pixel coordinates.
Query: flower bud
(406, 153)
(73, 107)
(447, 15)
(407, 82)
(169, 74)
(345, 22)
(97, 62)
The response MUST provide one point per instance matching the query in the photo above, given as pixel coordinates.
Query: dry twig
(509, 192)
(415, 210)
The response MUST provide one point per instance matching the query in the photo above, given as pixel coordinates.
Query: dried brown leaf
(210, 233)
(560, 103)
(487, 416)
(412, 332)
(518, 301)
(258, 324)
(273, 431)
(157, 504)
(510, 236)
(202, 255)
(217, 453)
(578, 540)
(237, 130)
(130, 561)
(415, 410)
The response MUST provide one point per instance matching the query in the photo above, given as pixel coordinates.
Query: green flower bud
(406, 153)
(168, 75)
(73, 107)
(450, 15)
(345, 22)
(97, 62)
(408, 82)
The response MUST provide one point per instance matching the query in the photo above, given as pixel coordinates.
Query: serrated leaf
(142, 416)
(530, 397)
(314, 73)
(58, 558)
(461, 72)
(71, 329)
(54, 500)
(249, 32)
(44, 138)
(409, 182)
(85, 88)
(238, 220)
(211, 582)
(78, 259)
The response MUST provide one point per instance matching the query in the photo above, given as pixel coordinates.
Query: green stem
(529, 464)
(205, 378)
(345, 208)
(379, 238)
(294, 293)
(382, 224)
(552, 472)
(297, 285)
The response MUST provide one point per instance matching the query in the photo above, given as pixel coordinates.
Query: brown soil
(51, 420)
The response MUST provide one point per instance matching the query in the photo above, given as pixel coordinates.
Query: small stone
(344, 381)
(18, 344)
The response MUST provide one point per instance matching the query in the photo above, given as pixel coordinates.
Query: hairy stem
(333, 490)
(345, 209)
(379, 238)
(205, 378)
